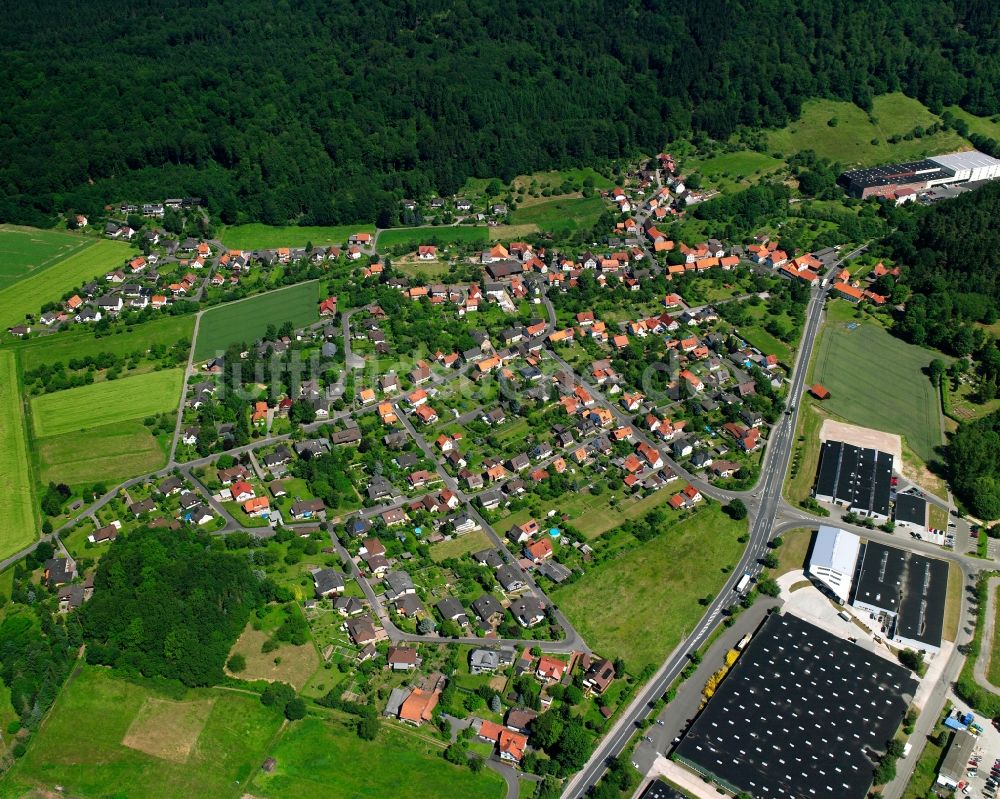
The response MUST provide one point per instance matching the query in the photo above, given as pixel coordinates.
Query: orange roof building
(418, 706)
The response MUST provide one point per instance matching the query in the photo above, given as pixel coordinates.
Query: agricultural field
(17, 523)
(103, 403)
(257, 236)
(108, 453)
(26, 297)
(26, 251)
(850, 140)
(439, 235)
(80, 343)
(876, 380)
(247, 320)
(105, 734)
(317, 757)
(666, 578)
(568, 213)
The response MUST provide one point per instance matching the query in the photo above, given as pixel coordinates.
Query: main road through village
(766, 508)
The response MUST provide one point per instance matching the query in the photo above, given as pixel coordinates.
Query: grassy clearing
(556, 178)
(414, 237)
(984, 126)
(592, 514)
(79, 343)
(25, 251)
(27, 296)
(876, 380)
(731, 171)
(18, 521)
(288, 663)
(81, 744)
(459, 545)
(109, 453)
(103, 403)
(794, 551)
(257, 236)
(563, 214)
(856, 138)
(325, 758)
(247, 320)
(429, 270)
(666, 578)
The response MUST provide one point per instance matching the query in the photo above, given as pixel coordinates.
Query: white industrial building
(968, 166)
(834, 558)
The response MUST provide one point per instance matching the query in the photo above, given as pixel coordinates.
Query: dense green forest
(169, 603)
(329, 112)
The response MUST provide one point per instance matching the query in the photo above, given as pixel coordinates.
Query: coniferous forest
(329, 112)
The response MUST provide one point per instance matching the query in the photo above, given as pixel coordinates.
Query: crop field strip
(247, 320)
(29, 295)
(17, 522)
(104, 403)
(28, 251)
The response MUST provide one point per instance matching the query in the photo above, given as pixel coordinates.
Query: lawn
(414, 237)
(802, 471)
(25, 251)
(459, 545)
(767, 343)
(319, 758)
(664, 579)
(925, 771)
(875, 380)
(81, 745)
(79, 343)
(247, 320)
(17, 523)
(109, 453)
(103, 403)
(257, 236)
(26, 297)
(849, 141)
(568, 213)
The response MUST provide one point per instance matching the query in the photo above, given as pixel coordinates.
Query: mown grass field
(414, 237)
(29, 295)
(80, 745)
(850, 141)
(730, 171)
(459, 545)
(79, 343)
(296, 664)
(17, 522)
(104, 403)
(247, 320)
(555, 178)
(570, 213)
(876, 380)
(25, 251)
(317, 758)
(767, 343)
(109, 453)
(257, 236)
(665, 579)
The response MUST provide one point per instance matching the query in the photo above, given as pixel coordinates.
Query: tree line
(340, 110)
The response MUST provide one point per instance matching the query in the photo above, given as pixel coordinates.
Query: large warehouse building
(896, 180)
(905, 589)
(856, 478)
(797, 714)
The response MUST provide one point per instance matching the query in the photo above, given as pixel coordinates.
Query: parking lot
(987, 752)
